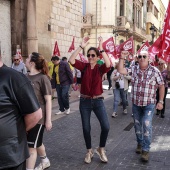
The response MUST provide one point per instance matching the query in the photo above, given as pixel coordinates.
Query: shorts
(78, 80)
(35, 136)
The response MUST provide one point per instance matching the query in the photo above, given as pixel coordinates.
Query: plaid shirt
(144, 84)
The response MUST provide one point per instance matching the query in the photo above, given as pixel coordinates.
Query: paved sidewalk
(66, 148)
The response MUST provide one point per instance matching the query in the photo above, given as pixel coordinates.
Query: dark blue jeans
(143, 124)
(97, 106)
(63, 97)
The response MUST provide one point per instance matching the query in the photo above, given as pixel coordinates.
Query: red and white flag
(165, 52)
(125, 46)
(109, 46)
(18, 53)
(56, 50)
(72, 46)
(82, 58)
(144, 47)
(155, 49)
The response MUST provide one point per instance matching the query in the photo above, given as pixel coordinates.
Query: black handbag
(117, 85)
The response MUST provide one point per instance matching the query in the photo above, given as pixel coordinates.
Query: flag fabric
(18, 53)
(165, 52)
(82, 58)
(72, 46)
(109, 46)
(56, 50)
(144, 47)
(125, 46)
(156, 48)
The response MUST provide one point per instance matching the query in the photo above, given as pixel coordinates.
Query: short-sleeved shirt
(91, 84)
(21, 67)
(144, 84)
(17, 98)
(42, 86)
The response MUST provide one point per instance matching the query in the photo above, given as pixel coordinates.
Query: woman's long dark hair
(40, 63)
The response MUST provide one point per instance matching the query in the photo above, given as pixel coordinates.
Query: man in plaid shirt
(145, 81)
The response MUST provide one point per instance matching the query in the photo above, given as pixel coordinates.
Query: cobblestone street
(66, 147)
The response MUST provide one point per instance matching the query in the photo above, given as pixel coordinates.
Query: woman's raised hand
(100, 39)
(85, 42)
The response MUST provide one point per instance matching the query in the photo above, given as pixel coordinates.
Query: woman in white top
(120, 87)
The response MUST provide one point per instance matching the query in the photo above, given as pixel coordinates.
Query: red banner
(72, 46)
(165, 53)
(144, 47)
(155, 49)
(125, 46)
(56, 50)
(109, 46)
(82, 58)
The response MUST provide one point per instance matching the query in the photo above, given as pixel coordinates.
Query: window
(156, 12)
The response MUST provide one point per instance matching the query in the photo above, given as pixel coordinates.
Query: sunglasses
(140, 56)
(161, 63)
(16, 59)
(93, 55)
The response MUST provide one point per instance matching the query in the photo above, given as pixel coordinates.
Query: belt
(89, 97)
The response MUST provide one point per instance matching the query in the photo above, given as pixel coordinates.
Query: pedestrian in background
(40, 80)
(120, 88)
(19, 112)
(64, 78)
(163, 70)
(91, 98)
(51, 68)
(145, 81)
(18, 65)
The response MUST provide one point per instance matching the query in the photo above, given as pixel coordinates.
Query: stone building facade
(103, 17)
(35, 25)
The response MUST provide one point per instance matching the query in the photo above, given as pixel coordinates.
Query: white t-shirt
(120, 80)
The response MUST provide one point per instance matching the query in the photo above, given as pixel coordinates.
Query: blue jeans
(143, 124)
(97, 106)
(63, 97)
(117, 94)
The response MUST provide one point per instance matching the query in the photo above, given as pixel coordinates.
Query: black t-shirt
(17, 98)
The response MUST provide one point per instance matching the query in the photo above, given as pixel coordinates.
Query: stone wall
(5, 31)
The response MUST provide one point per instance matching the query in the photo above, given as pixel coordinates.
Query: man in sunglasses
(18, 65)
(146, 79)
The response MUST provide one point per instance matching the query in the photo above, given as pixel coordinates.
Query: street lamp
(127, 27)
(153, 32)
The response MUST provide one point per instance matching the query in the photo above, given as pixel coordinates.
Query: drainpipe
(96, 23)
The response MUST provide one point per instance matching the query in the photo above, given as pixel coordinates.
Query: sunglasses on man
(142, 56)
(93, 55)
(16, 59)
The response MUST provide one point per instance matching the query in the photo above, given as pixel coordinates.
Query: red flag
(125, 46)
(155, 48)
(166, 36)
(56, 50)
(18, 53)
(109, 46)
(72, 46)
(82, 58)
(144, 47)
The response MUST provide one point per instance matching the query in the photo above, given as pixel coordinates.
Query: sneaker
(114, 114)
(145, 156)
(88, 157)
(67, 111)
(139, 149)
(43, 165)
(102, 155)
(125, 111)
(162, 115)
(59, 113)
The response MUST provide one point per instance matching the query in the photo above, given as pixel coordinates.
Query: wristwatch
(101, 51)
(161, 101)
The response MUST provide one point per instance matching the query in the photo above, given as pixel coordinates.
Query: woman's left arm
(48, 107)
(104, 55)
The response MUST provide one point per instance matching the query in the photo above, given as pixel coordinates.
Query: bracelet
(122, 58)
(81, 47)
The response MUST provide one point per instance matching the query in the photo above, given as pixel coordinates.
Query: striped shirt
(144, 84)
